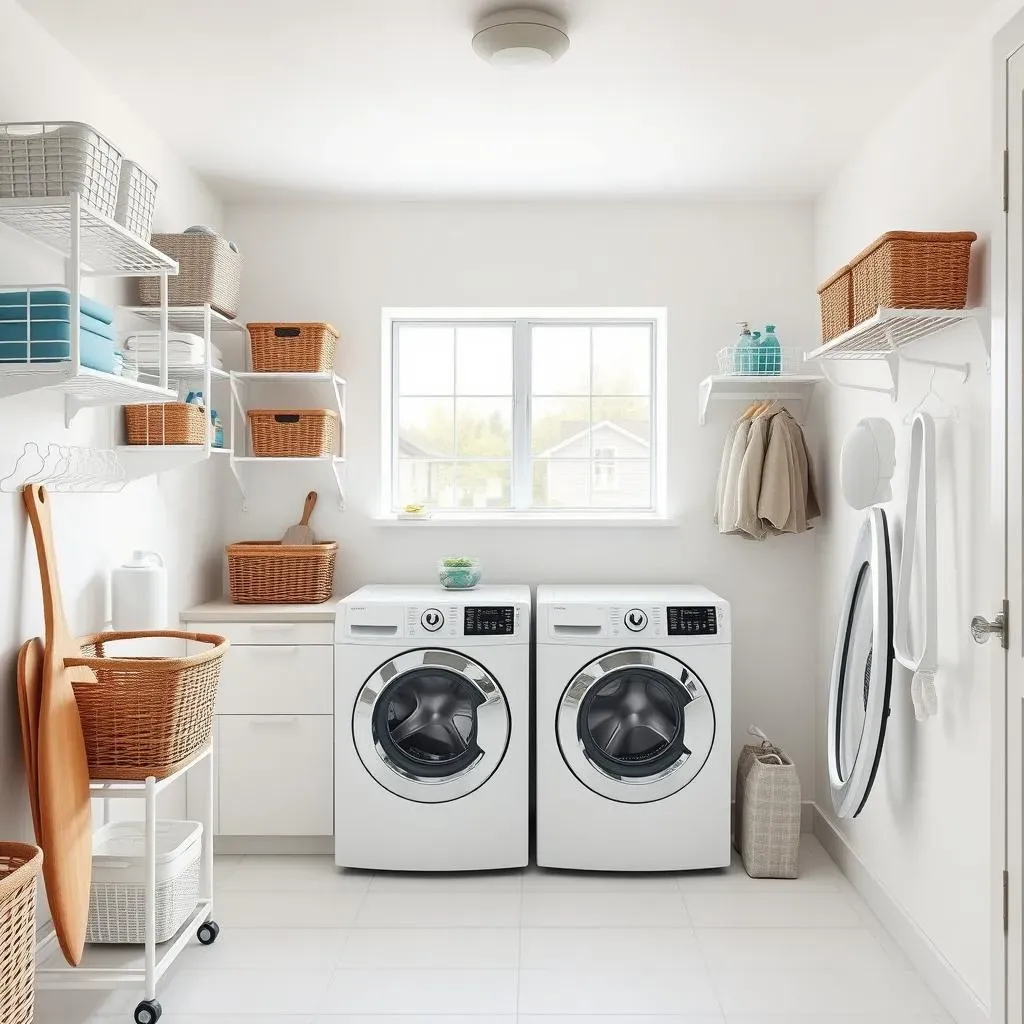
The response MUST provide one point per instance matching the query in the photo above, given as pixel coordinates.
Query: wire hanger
(951, 412)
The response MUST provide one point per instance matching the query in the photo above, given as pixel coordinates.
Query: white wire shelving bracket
(788, 387)
(96, 970)
(92, 245)
(240, 464)
(883, 338)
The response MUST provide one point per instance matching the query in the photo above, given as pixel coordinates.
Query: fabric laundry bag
(767, 826)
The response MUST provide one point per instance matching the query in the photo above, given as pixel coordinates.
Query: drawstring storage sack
(767, 826)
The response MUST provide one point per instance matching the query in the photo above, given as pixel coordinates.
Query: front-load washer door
(431, 725)
(862, 664)
(635, 725)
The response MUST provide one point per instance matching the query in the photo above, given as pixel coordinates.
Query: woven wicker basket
(269, 572)
(209, 270)
(146, 716)
(912, 270)
(19, 868)
(294, 433)
(835, 298)
(165, 423)
(293, 348)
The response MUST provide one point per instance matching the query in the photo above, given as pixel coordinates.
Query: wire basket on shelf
(136, 200)
(144, 716)
(20, 865)
(57, 158)
(269, 572)
(755, 361)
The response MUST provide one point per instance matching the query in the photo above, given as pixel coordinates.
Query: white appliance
(432, 711)
(634, 693)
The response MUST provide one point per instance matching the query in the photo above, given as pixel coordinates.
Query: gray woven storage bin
(767, 828)
(209, 270)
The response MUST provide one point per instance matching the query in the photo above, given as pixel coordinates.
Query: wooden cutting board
(30, 682)
(63, 769)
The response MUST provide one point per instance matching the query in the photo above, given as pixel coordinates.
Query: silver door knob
(982, 629)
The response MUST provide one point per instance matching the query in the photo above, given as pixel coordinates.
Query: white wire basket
(136, 200)
(117, 898)
(38, 160)
(754, 361)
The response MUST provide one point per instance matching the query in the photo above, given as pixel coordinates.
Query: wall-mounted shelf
(883, 338)
(789, 387)
(240, 466)
(104, 248)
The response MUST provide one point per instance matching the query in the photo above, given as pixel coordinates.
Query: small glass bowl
(460, 577)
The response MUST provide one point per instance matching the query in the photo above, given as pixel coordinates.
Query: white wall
(924, 834)
(711, 265)
(39, 79)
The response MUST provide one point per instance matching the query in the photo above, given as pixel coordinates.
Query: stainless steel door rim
(486, 741)
(658, 698)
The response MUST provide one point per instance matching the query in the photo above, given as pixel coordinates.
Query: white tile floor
(304, 944)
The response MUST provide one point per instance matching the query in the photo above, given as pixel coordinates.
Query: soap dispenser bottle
(770, 352)
(743, 353)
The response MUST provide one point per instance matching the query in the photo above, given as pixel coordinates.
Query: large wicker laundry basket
(20, 865)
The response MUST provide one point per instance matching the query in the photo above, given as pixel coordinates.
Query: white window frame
(522, 320)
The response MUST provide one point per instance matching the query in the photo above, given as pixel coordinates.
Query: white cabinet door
(268, 632)
(276, 775)
(282, 679)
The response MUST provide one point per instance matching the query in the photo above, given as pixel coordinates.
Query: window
(501, 412)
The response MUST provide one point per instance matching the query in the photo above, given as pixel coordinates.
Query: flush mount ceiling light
(521, 37)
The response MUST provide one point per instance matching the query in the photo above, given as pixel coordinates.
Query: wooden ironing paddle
(61, 763)
(30, 681)
(300, 533)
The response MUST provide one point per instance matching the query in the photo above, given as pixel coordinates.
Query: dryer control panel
(637, 623)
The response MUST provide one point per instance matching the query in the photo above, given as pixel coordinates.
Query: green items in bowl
(459, 573)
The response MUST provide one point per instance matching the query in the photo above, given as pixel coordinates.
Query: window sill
(640, 520)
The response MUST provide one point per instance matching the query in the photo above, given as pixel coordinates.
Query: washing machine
(633, 728)
(432, 706)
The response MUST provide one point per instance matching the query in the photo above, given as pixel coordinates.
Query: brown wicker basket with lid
(20, 865)
(269, 572)
(293, 433)
(912, 270)
(146, 715)
(835, 298)
(293, 347)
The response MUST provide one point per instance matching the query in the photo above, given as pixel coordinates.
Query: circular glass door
(636, 726)
(861, 670)
(431, 725)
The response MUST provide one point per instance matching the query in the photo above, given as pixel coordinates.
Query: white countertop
(224, 611)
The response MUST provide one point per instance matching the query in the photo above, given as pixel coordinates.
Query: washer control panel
(490, 621)
(692, 621)
(432, 620)
(636, 620)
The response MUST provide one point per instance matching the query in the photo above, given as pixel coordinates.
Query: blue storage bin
(55, 297)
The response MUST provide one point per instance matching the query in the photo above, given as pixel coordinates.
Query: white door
(1008, 478)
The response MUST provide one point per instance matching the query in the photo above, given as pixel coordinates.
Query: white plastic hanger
(920, 516)
(950, 411)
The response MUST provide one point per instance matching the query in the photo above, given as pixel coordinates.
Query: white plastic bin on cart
(117, 899)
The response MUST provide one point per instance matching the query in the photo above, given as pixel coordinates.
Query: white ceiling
(758, 98)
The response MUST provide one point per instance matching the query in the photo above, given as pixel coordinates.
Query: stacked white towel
(183, 349)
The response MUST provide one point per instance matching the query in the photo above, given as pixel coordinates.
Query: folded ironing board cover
(55, 297)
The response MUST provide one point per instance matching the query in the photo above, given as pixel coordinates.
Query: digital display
(690, 621)
(490, 621)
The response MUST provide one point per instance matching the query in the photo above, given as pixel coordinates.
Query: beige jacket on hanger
(787, 501)
(750, 479)
(727, 510)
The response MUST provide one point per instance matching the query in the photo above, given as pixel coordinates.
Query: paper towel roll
(139, 593)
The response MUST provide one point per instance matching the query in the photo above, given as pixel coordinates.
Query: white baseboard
(273, 845)
(959, 999)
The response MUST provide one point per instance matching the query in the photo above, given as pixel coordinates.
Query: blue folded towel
(94, 351)
(48, 323)
(57, 297)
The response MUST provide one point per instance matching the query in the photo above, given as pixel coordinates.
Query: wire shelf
(888, 331)
(85, 388)
(189, 318)
(107, 249)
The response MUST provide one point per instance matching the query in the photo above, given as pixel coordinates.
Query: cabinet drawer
(268, 632)
(285, 679)
(275, 775)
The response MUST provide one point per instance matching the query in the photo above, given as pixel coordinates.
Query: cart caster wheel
(148, 1012)
(208, 933)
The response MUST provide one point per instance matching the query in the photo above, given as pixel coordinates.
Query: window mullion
(522, 461)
